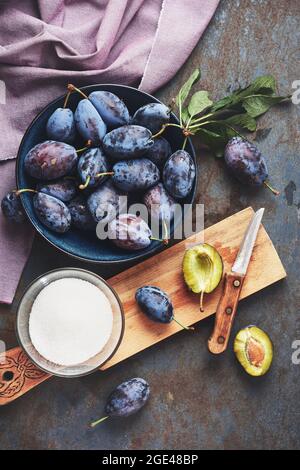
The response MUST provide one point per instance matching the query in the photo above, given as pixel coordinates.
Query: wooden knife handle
(226, 311)
(18, 375)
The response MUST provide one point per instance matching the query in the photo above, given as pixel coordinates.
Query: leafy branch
(218, 121)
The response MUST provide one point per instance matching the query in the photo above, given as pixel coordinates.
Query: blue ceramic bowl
(81, 245)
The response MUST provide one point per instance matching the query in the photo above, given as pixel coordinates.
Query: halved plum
(254, 350)
(202, 269)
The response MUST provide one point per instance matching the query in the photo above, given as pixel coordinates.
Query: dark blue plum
(246, 162)
(135, 175)
(12, 208)
(129, 232)
(80, 214)
(50, 160)
(127, 142)
(63, 189)
(89, 123)
(52, 212)
(152, 116)
(179, 174)
(105, 204)
(159, 152)
(128, 398)
(159, 203)
(61, 126)
(91, 163)
(111, 108)
(155, 303)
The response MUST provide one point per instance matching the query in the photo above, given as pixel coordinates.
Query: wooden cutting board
(163, 270)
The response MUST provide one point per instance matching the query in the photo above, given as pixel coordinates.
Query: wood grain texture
(226, 311)
(163, 270)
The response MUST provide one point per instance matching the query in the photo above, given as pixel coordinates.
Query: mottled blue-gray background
(199, 401)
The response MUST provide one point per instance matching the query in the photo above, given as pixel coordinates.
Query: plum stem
(95, 423)
(71, 88)
(87, 182)
(184, 143)
(106, 173)
(66, 99)
(166, 233)
(196, 127)
(274, 191)
(162, 130)
(201, 301)
(25, 190)
(188, 328)
(88, 144)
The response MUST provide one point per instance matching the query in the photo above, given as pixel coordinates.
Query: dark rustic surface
(199, 401)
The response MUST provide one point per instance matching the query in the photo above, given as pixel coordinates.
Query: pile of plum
(122, 157)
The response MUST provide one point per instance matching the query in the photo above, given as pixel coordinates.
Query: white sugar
(70, 321)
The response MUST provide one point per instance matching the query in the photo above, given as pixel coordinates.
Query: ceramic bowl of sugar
(70, 322)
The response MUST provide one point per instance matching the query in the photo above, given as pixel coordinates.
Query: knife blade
(233, 284)
(243, 257)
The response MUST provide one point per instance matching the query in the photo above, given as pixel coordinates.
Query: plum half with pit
(254, 350)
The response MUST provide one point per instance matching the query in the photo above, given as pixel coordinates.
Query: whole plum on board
(50, 160)
(89, 123)
(105, 203)
(80, 214)
(179, 174)
(63, 189)
(129, 232)
(127, 142)
(12, 208)
(126, 399)
(52, 212)
(135, 175)
(111, 108)
(61, 126)
(152, 116)
(156, 305)
(159, 152)
(92, 162)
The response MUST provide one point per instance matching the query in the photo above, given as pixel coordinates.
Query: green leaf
(245, 121)
(199, 102)
(186, 88)
(259, 104)
(265, 85)
(185, 115)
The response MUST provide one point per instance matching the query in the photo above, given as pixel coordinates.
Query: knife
(233, 284)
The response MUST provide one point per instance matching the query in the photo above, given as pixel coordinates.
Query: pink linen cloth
(46, 44)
